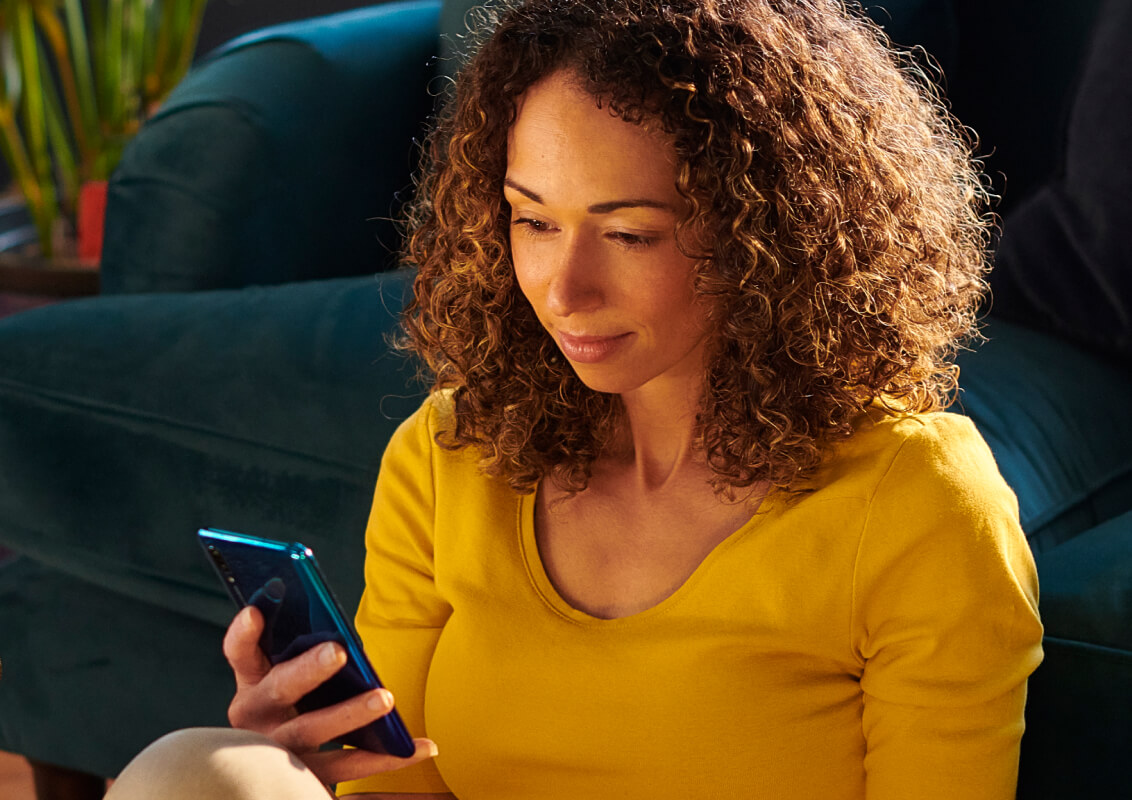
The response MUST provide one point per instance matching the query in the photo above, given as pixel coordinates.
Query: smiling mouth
(590, 349)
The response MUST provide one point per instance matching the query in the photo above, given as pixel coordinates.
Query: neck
(659, 440)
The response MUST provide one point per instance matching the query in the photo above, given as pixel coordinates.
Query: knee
(201, 763)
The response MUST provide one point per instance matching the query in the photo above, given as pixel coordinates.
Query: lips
(587, 349)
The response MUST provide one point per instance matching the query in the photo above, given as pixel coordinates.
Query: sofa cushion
(128, 422)
(1056, 417)
(1087, 589)
(80, 659)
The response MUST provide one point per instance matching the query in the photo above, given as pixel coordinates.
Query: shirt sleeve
(945, 622)
(401, 613)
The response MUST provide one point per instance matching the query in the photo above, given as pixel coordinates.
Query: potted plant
(77, 79)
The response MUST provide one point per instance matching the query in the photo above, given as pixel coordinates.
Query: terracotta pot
(91, 220)
(24, 271)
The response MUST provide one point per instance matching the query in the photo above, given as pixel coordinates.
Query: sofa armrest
(1079, 710)
(278, 159)
(1086, 587)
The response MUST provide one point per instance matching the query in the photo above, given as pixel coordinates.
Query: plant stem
(84, 82)
(134, 57)
(188, 43)
(158, 66)
(52, 30)
(41, 203)
(12, 145)
(61, 144)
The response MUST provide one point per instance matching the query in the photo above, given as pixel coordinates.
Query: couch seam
(116, 410)
(1105, 651)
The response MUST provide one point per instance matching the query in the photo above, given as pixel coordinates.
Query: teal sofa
(236, 373)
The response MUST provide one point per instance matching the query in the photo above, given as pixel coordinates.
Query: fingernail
(246, 618)
(328, 656)
(430, 748)
(380, 700)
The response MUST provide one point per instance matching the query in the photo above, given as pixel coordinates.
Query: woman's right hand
(266, 696)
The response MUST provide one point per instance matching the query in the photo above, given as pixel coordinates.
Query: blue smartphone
(284, 582)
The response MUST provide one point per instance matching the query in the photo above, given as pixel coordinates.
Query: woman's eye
(531, 225)
(631, 239)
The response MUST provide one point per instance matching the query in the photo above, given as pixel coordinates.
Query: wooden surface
(15, 778)
(17, 782)
(21, 276)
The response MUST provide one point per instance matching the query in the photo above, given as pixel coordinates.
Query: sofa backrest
(281, 157)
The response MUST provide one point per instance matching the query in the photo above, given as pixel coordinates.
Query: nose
(574, 279)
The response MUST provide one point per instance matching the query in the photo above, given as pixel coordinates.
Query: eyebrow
(597, 208)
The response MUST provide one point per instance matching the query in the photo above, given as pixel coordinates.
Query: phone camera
(219, 559)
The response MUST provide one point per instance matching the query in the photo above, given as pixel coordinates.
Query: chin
(603, 381)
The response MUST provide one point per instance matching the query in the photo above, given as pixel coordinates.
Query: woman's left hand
(266, 696)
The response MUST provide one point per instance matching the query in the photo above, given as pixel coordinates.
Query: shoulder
(925, 455)
(418, 444)
(939, 432)
(921, 485)
(416, 436)
(943, 570)
(938, 511)
(435, 411)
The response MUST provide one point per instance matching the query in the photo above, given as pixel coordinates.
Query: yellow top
(870, 640)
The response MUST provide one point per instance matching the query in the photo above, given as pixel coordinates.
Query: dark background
(224, 19)
(1011, 61)
(1015, 48)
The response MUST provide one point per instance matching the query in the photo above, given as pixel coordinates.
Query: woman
(682, 517)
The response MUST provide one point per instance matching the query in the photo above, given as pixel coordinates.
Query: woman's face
(593, 214)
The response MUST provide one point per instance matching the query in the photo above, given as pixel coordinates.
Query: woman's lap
(216, 764)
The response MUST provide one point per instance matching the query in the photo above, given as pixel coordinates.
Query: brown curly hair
(842, 212)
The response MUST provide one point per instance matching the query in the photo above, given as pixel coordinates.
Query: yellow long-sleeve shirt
(870, 640)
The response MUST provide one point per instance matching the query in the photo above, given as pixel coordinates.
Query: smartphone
(284, 582)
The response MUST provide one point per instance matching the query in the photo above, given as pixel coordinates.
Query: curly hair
(842, 211)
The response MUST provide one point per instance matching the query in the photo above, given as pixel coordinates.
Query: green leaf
(78, 77)
(84, 73)
(62, 146)
(12, 84)
(41, 198)
(114, 67)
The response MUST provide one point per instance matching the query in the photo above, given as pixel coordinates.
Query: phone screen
(284, 582)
